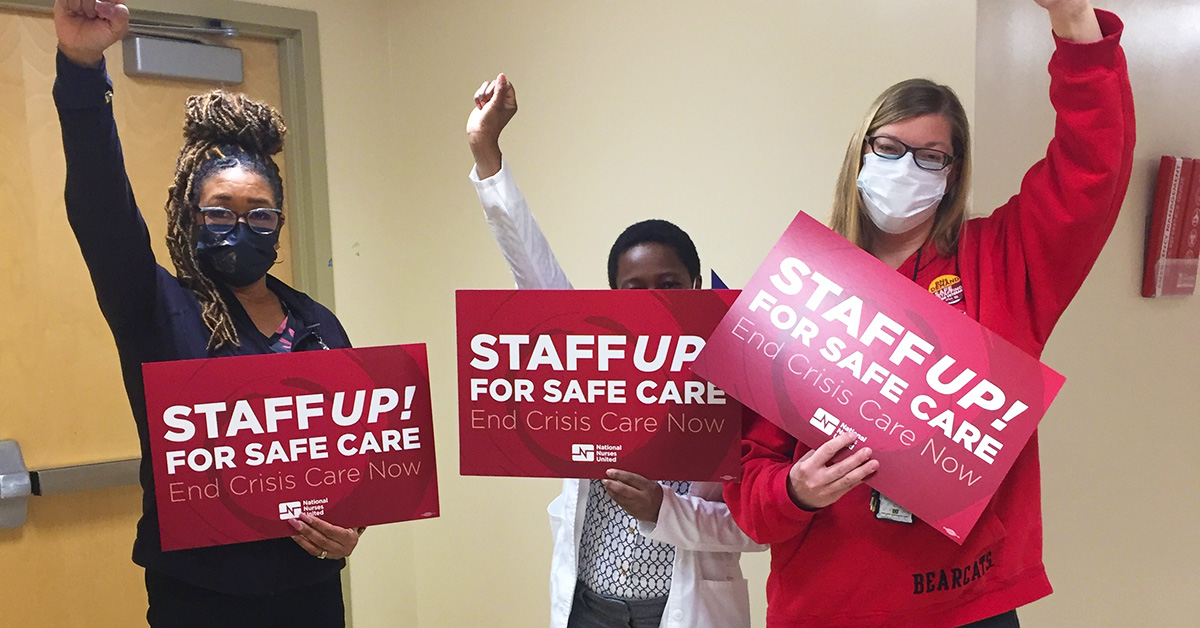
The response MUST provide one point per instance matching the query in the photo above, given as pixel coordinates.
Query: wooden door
(61, 395)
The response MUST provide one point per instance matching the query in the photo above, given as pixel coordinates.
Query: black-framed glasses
(925, 158)
(221, 221)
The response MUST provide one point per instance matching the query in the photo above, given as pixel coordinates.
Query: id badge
(889, 510)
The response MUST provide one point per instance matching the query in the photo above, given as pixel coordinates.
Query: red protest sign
(241, 444)
(827, 338)
(570, 383)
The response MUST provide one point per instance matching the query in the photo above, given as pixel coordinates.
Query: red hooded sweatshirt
(1015, 272)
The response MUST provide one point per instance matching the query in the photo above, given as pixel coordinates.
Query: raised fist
(86, 28)
(1064, 5)
(1074, 20)
(495, 105)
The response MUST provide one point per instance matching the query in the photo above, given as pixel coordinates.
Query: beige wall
(1119, 448)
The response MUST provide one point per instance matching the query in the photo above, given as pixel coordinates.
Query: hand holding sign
(640, 497)
(814, 483)
(323, 539)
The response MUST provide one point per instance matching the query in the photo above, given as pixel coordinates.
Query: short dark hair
(661, 232)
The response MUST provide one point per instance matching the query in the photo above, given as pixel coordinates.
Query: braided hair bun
(235, 131)
(221, 118)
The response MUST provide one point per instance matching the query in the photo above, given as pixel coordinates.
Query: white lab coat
(707, 587)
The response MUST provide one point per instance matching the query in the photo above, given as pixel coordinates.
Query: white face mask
(898, 194)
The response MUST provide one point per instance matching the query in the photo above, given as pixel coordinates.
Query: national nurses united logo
(293, 510)
(583, 453)
(833, 426)
(948, 288)
(290, 510)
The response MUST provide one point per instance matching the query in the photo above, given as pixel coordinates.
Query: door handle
(17, 483)
(85, 477)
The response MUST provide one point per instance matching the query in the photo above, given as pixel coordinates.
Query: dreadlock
(220, 130)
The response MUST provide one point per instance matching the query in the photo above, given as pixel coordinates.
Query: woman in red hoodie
(835, 562)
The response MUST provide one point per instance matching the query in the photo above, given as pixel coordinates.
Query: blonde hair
(217, 126)
(904, 100)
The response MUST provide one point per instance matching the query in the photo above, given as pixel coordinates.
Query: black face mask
(238, 258)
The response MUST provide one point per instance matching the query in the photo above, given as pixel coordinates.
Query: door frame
(303, 108)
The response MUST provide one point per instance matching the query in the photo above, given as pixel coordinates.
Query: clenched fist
(86, 28)
(1073, 19)
(495, 105)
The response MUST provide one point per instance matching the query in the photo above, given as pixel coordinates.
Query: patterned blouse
(615, 559)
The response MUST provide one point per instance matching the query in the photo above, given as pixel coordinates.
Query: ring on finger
(323, 554)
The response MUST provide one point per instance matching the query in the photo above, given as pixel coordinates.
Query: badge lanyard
(883, 507)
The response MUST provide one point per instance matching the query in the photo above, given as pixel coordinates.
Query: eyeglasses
(221, 221)
(925, 158)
